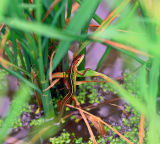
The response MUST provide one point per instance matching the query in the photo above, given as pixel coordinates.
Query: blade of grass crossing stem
(69, 8)
(21, 98)
(105, 55)
(76, 27)
(83, 46)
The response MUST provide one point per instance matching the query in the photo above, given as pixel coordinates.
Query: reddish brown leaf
(141, 129)
(50, 9)
(97, 124)
(50, 66)
(52, 84)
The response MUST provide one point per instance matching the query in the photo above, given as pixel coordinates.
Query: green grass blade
(38, 4)
(3, 7)
(55, 20)
(21, 59)
(62, 17)
(69, 8)
(95, 17)
(21, 98)
(13, 40)
(27, 6)
(153, 84)
(58, 13)
(9, 54)
(27, 61)
(142, 83)
(31, 45)
(41, 29)
(45, 53)
(105, 55)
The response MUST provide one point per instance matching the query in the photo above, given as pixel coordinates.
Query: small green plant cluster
(18, 123)
(88, 92)
(64, 138)
(67, 138)
(131, 84)
(36, 122)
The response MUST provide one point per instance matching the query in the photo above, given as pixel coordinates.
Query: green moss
(64, 138)
(36, 122)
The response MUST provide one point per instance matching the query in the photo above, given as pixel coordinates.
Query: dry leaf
(97, 124)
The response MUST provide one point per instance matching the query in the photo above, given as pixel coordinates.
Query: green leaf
(153, 83)
(42, 29)
(14, 47)
(69, 8)
(105, 55)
